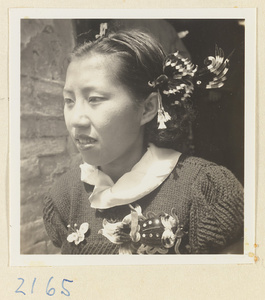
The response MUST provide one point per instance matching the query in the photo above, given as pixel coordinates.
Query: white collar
(153, 168)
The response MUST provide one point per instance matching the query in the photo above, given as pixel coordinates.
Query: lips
(84, 141)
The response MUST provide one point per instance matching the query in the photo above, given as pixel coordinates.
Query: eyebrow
(84, 89)
(67, 91)
(88, 89)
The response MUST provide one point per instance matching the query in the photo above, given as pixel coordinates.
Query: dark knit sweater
(207, 198)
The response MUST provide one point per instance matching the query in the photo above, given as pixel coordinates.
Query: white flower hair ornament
(78, 235)
(180, 77)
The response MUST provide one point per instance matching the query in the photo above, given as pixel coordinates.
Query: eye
(95, 99)
(68, 101)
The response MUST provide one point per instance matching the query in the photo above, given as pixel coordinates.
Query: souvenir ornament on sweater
(180, 77)
(159, 233)
(126, 232)
(77, 235)
(144, 235)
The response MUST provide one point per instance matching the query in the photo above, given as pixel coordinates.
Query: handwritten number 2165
(49, 291)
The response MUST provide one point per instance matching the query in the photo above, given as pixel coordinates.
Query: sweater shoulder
(194, 162)
(204, 170)
(67, 181)
(190, 167)
(217, 211)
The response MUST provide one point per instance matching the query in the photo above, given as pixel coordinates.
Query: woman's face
(100, 114)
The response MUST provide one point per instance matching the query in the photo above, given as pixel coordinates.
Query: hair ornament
(213, 75)
(92, 35)
(102, 30)
(183, 34)
(180, 77)
(162, 115)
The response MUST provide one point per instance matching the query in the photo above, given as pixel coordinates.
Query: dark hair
(142, 59)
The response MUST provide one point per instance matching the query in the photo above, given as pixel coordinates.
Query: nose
(80, 115)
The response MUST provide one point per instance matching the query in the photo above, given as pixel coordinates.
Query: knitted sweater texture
(207, 199)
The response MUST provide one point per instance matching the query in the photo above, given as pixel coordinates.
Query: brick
(34, 126)
(30, 212)
(48, 128)
(28, 127)
(43, 100)
(54, 164)
(34, 86)
(26, 88)
(42, 146)
(53, 107)
(32, 233)
(29, 168)
(48, 87)
(33, 190)
(41, 96)
(40, 248)
(50, 105)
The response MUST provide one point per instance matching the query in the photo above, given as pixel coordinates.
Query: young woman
(127, 110)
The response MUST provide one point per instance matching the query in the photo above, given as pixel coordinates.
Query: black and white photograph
(134, 137)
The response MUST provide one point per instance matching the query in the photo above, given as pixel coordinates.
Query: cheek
(122, 120)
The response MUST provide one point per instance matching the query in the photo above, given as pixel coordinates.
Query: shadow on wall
(46, 151)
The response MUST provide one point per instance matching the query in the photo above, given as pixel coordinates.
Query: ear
(150, 108)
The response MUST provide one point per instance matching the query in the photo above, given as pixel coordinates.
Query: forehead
(93, 67)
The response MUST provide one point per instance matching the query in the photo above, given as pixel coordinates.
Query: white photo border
(16, 14)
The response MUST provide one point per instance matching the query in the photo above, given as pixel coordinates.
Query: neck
(125, 163)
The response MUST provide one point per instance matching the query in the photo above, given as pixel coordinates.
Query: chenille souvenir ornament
(145, 235)
(180, 77)
(159, 233)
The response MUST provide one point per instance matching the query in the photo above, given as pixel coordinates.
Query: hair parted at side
(141, 59)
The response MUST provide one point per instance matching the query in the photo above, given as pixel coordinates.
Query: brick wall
(46, 150)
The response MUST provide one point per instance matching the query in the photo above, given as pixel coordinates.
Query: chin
(91, 159)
